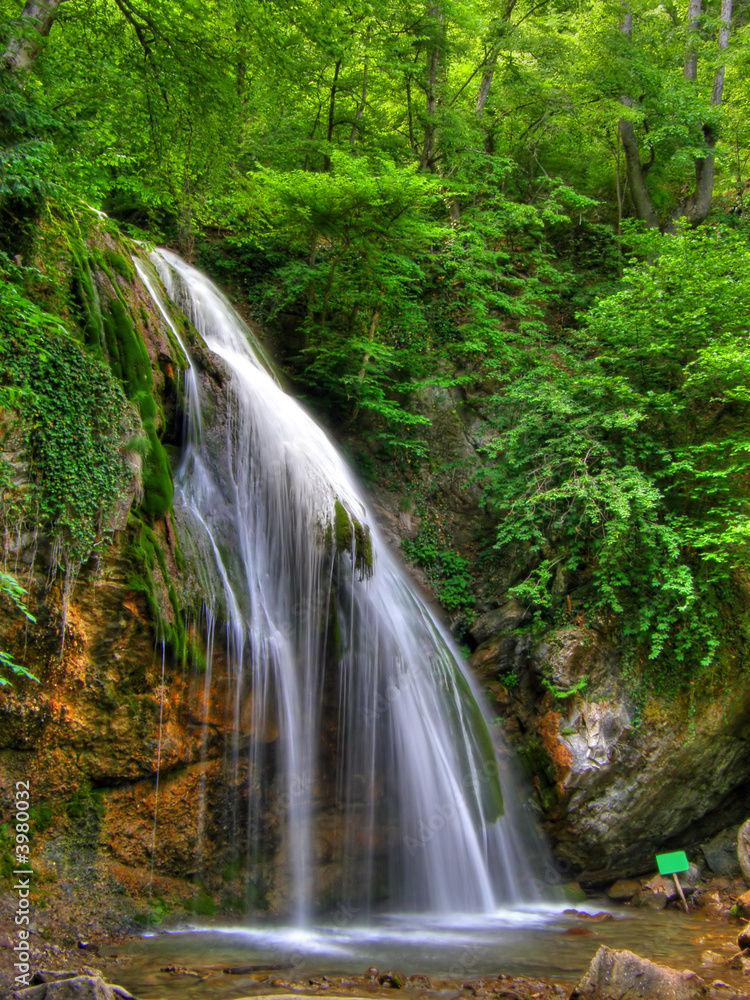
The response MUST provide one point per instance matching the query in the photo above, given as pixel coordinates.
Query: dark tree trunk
(356, 129)
(696, 208)
(635, 170)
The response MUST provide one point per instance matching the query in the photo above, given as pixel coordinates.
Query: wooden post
(679, 889)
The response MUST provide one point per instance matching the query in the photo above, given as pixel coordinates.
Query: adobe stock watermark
(448, 811)
(468, 962)
(22, 882)
(385, 700)
(298, 790)
(555, 874)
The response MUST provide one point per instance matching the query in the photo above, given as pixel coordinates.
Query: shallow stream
(539, 941)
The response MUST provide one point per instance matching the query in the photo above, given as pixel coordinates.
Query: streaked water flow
(383, 779)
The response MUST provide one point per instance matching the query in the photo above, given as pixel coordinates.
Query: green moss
(41, 817)
(574, 893)
(120, 265)
(84, 301)
(7, 850)
(130, 362)
(195, 655)
(202, 904)
(154, 915)
(144, 553)
(350, 535)
(537, 764)
(85, 804)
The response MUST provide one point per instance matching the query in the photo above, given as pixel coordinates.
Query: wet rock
(692, 876)
(735, 961)
(743, 938)
(78, 988)
(743, 850)
(614, 975)
(500, 620)
(623, 890)
(742, 903)
(721, 854)
(707, 899)
(656, 893)
(712, 958)
(419, 980)
(599, 917)
(720, 990)
(604, 808)
(574, 893)
(393, 979)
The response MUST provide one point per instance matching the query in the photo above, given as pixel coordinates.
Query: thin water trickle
(383, 780)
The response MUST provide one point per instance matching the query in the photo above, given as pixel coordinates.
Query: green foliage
(351, 245)
(508, 679)
(398, 236)
(447, 570)
(627, 451)
(560, 694)
(72, 412)
(12, 592)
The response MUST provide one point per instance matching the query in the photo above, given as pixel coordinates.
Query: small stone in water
(393, 979)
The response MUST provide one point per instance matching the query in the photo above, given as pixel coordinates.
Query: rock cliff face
(125, 743)
(616, 781)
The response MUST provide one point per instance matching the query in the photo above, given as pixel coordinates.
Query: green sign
(669, 864)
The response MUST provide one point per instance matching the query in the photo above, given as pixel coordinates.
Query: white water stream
(378, 721)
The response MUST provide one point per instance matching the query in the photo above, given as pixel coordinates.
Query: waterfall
(372, 778)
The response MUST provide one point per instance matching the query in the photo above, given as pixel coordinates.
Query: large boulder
(77, 988)
(614, 975)
(617, 781)
(721, 854)
(743, 850)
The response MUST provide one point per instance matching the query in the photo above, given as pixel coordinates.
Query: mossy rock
(352, 536)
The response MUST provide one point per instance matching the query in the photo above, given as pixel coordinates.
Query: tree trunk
(634, 169)
(331, 115)
(489, 69)
(696, 208)
(35, 22)
(363, 99)
(486, 82)
(636, 175)
(427, 158)
(690, 72)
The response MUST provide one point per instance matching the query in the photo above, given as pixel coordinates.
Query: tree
(696, 205)
(33, 26)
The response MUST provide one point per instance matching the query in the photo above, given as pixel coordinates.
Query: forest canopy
(540, 203)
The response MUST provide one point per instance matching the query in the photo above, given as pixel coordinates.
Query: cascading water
(379, 726)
